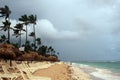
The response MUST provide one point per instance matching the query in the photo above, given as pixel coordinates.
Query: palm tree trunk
(26, 33)
(26, 40)
(34, 37)
(8, 31)
(10, 62)
(20, 40)
(8, 35)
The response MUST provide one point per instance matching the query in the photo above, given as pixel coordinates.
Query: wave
(104, 74)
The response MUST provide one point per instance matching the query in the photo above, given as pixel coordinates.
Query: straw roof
(28, 56)
(7, 51)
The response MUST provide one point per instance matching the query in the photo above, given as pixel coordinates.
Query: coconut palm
(32, 34)
(38, 41)
(25, 20)
(17, 31)
(51, 50)
(3, 38)
(32, 20)
(42, 50)
(6, 27)
(5, 12)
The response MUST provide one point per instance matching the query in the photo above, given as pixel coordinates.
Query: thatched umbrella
(30, 56)
(7, 52)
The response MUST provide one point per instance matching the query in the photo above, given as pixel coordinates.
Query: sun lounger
(7, 74)
(27, 74)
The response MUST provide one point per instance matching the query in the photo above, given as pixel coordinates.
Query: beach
(62, 71)
(42, 71)
(53, 71)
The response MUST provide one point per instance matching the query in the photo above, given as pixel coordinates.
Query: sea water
(103, 70)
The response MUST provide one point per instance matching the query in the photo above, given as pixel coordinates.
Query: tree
(38, 41)
(5, 27)
(3, 38)
(51, 50)
(42, 50)
(25, 20)
(32, 34)
(32, 20)
(17, 31)
(5, 12)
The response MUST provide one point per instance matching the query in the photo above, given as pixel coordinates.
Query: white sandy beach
(42, 71)
(53, 71)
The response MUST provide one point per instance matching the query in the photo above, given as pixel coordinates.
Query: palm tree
(5, 12)
(5, 27)
(38, 41)
(32, 20)
(51, 50)
(32, 34)
(3, 38)
(42, 50)
(25, 20)
(17, 31)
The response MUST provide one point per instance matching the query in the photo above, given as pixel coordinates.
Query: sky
(80, 30)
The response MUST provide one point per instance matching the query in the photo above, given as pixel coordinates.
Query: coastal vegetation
(17, 50)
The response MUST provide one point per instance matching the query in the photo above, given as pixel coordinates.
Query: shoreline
(78, 71)
(98, 73)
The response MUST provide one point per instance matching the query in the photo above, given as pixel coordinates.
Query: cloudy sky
(78, 29)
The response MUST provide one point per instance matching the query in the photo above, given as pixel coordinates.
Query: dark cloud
(80, 29)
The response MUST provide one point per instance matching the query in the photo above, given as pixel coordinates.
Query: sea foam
(103, 74)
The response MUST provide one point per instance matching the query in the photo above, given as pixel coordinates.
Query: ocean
(102, 70)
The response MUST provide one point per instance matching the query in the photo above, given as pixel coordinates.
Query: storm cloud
(80, 29)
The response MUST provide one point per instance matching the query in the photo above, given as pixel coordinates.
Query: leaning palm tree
(32, 34)
(32, 20)
(5, 11)
(17, 31)
(6, 27)
(25, 20)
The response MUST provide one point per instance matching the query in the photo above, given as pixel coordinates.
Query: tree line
(18, 30)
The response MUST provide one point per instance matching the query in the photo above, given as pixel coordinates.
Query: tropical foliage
(34, 50)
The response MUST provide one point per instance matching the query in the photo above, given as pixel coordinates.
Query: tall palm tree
(32, 34)
(32, 20)
(17, 31)
(38, 41)
(5, 12)
(25, 20)
(5, 27)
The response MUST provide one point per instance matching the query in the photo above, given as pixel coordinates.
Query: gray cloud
(80, 29)
(47, 30)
